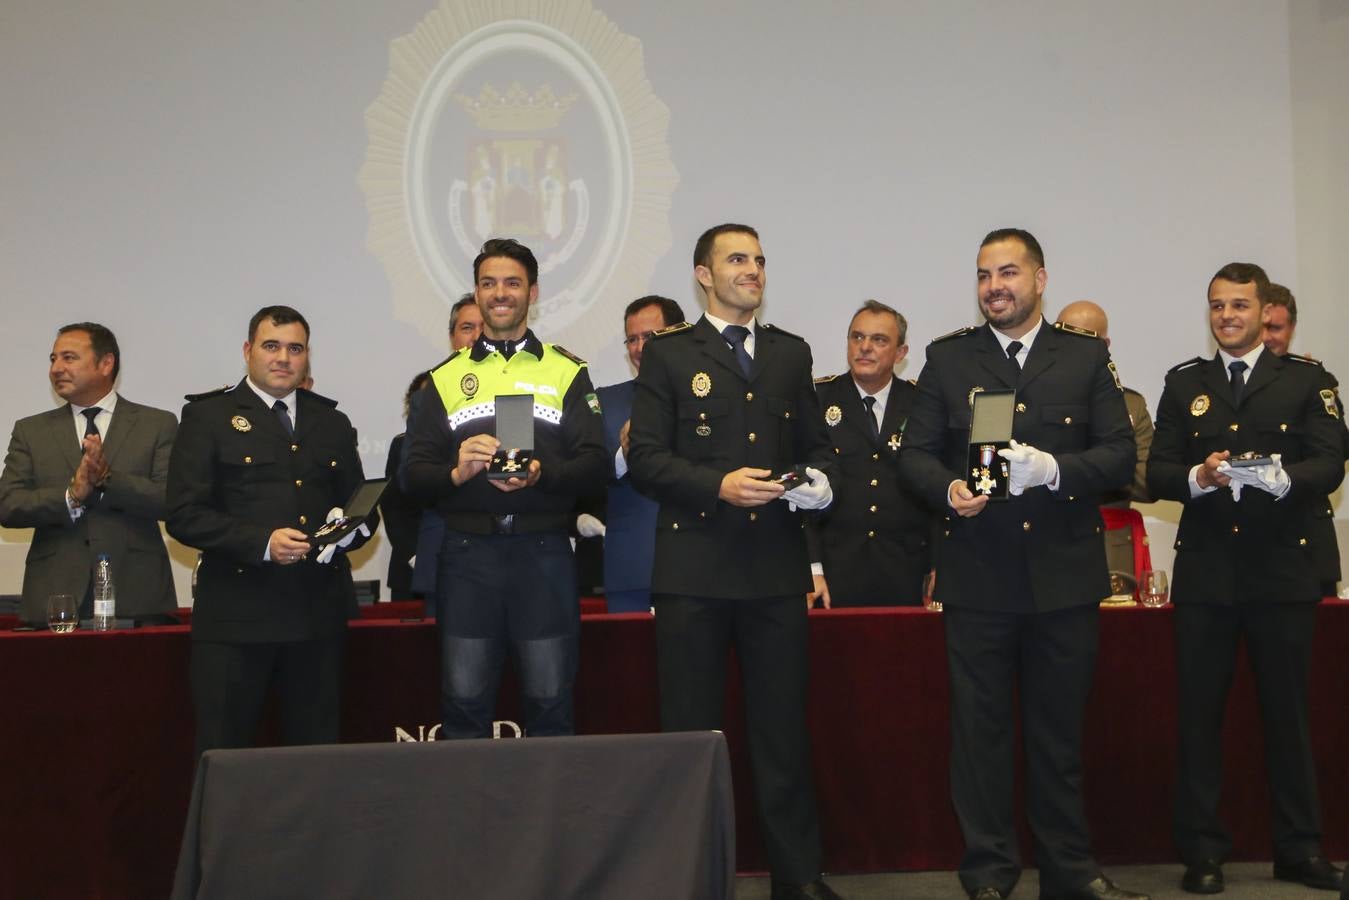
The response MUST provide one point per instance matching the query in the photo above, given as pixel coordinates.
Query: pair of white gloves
(330, 550)
(814, 494)
(1271, 478)
(1030, 467)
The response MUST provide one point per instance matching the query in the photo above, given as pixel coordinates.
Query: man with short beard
(1021, 580)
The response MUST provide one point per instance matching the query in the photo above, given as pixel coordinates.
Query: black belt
(511, 523)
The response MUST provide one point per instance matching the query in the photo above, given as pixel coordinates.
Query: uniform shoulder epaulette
(1075, 329)
(1185, 365)
(193, 398)
(677, 328)
(959, 332)
(1295, 357)
(782, 331)
(326, 401)
(567, 353)
(825, 379)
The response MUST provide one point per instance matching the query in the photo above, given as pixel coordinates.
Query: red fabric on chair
(1131, 519)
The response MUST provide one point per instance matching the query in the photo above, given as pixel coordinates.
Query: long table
(98, 739)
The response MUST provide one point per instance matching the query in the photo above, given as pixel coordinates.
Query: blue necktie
(1237, 367)
(735, 336)
(282, 413)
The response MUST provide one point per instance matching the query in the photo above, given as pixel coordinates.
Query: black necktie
(282, 413)
(875, 428)
(1237, 367)
(1012, 350)
(90, 427)
(735, 336)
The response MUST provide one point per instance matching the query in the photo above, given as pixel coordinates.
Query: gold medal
(1200, 405)
(241, 424)
(703, 431)
(469, 384)
(832, 416)
(702, 385)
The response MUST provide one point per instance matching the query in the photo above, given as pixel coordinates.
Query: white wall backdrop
(169, 167)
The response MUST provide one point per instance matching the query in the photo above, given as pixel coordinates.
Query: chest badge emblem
(895, 441)
(469, 385)
(241, 424)
(703, 430)
(1200, 405)
(702, 385)
(832, 416)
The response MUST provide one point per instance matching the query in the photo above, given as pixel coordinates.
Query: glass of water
(63, 613)
(1152, 588)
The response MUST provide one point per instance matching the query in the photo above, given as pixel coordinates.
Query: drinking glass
(63, 613)
(1152, 588)
(929, 588)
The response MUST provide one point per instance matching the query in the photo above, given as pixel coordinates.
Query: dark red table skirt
(96, 748)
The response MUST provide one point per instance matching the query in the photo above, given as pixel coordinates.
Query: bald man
(1088, 316)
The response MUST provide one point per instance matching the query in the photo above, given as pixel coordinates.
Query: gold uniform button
(1098, 529)
(1283, 426)
(753, 437)
(675, 526)
(1025, 526)
(1302, 542)
(873, 507)
(875, 456)
(1071, 498)
(947, 533)
(702, 417)
(303, 520)
(1236, 529)
(299, 482)
(786, 415)
(872, 534)
(702, 515)
(1067, 420)
(1234, 427)
(1196, 434)
(332, 464)
(248, 459)
(837, 451)
(749, 396)
(875, 483)
(294, 447)
(754, 517)
(1021, 407)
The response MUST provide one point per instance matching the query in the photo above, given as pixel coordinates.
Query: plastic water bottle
(105, 595)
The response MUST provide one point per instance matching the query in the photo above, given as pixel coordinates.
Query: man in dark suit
(89, 477)
(1276, 331)
(870, 548)
(256, 469)
(630, 519)
(721, 407)
(1020, 580)
(1245, 569)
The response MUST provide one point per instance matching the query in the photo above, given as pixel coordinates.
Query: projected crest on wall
(531, 120)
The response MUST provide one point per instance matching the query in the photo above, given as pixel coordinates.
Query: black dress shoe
(816, 890)
(986, 893)
(1204, 877)
(1100, 889)
(1314, 872)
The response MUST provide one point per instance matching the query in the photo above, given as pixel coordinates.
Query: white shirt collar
(1026, 339)
(107, 404)
(881, 396)
(1249, 358)
(268, 400)
(720, 324)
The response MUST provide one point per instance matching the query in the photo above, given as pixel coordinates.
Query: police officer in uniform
(721, 407)
(1021, 580)
(870, 548)
(1244, 569)
(507, 577)
(255, 470)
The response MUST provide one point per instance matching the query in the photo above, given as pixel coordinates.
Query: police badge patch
(594, 403)
(1200, 405)
(1328, 398)
(241, 424)
(702, 385)
(832, 416)
(469, 384)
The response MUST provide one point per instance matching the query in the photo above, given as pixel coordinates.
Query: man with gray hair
(871, 547)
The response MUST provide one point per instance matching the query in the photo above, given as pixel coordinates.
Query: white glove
(1030, 467)
(1271, 479)
(588, 526)
(815, 494)
(330, 550)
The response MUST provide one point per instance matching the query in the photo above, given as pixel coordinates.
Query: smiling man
(871, 546)
(721, 407)
(89, 477)
(254, 471)
(1245, 569)
(1021, 580)
(507, 580)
